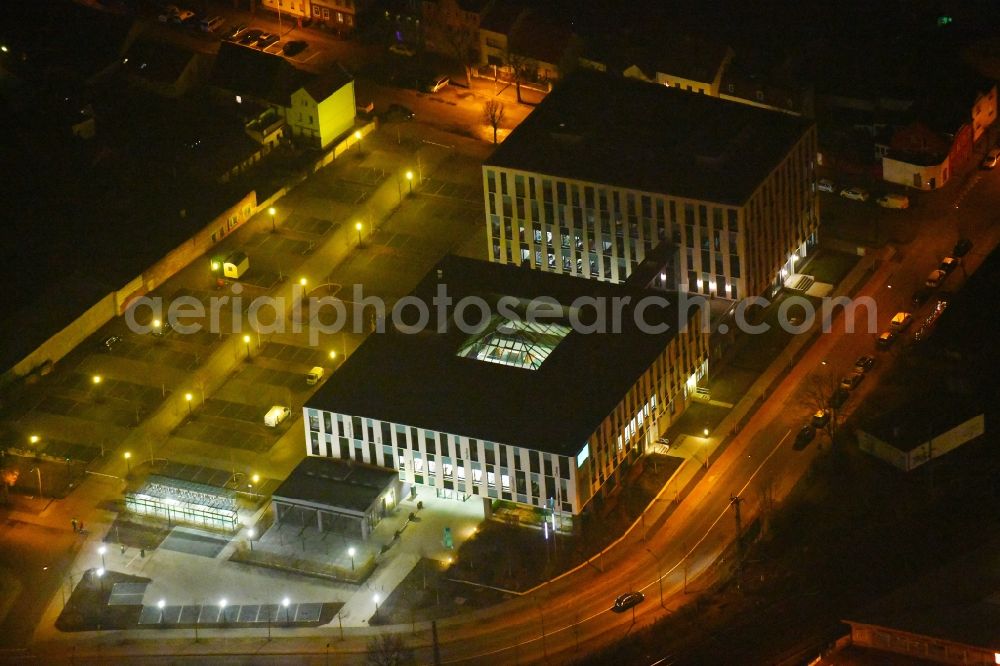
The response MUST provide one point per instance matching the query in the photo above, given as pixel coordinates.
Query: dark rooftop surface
(958, 602)
(420, 380)
(158, 61)
(335, 482)
(605, 129)
(254, 73)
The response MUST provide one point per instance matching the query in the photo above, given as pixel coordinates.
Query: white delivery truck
(276, 415)
(235, 265)
(314, 376)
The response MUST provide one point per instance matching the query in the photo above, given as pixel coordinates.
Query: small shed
(235, 265)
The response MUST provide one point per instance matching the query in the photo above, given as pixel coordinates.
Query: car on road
(864, 363)
(232, 32)
(851, 381)
(266, 39)
(825, 185)
(628, 600)
(992, 159)
(159, 329)
(402, 50)
(920, 296)
(805, 435)
(820, 418)
(854, 193)
(398, 112)
(935, 278)
(886, 338)
(948, 264)
(893, 201)
(294, 47)
(249, 37)
(962, 248)
(434, 84)
(901, 321)
(110, 342)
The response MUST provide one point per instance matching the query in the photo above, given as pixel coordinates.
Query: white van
(314, 376)
(211, 24)
(894, 201)
(276, 415)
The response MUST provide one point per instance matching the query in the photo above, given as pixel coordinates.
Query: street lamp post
(188, 397)
(246, 339)
(222, 610)
(357, 138)
(272, 212)
(376, 599)
(160, 604)
(128, 461)
(284, 604)
(38, 471)
(409, 179)
(102, 550)
(100, 577)
(250, 535)
(659, 577)
(358, 227)
(350, 552)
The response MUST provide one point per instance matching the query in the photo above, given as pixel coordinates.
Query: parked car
(851, 381)
(855, 194)
(962, 247)
(266, 39)
(920, 296)
(294, 47)
(935, 278)
(169, 11)
(820, 418)
(628, 600)
(276, 415)
(233, 32)
(211, 24)
(160, 328)
(110, 342)
(948, 264)
(886, 338)
(901, 321)
(894, 201)
(864, 364)
(398, 112)
(992, 159)
(825, 185)
(805, 435)
(249, 37)
(183, 16)
(402, 50)
(437, 83)
(839, 397)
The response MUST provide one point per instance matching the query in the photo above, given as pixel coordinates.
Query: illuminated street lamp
(376, 599)
(34, 439)
(303, 281)
(409, 179)
(102, 550)
(284, 604)
(222, 609)
(333, 355)
(246, 339)
(358, 227)
(250, 535)
(357, 137)
(100, 577)
(705, 432)
(272, 212)
(128, 461)
(96, 379)
(350, 553)
(160, 604)
(188, 397)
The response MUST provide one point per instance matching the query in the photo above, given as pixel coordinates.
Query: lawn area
(830, 266)
(87, 608)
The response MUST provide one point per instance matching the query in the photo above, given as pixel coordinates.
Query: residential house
(539, 46)
(316, 108)
(754, 78)
(342, 15)
(452, 26)
(494, 29)
(687, 62)
(164, 68)
(295, 9)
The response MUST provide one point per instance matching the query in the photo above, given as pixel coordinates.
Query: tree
(493, 113)
(461, 42)
(818, 391)
(520, 69)
(389, 650)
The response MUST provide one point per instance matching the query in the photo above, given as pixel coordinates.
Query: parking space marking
(304, 355)
(211, 434)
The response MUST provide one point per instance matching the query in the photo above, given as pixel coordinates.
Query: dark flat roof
(335, 483)
(606, 129)
(419, 379)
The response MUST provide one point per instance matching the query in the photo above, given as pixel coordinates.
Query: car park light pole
(161, 604)
(409, 179)
(357, 138)
(357, 226)
(128, 461)
(284, 604)
(246, 339)
(272, 212)
(350, 553)
(102, 551)
(188, 397)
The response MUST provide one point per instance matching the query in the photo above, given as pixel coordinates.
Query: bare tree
(818, 391)
(493, 113)
(461, 42)
(520, 69)
(389, 650)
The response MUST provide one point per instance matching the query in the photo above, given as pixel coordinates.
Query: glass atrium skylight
(516, 343)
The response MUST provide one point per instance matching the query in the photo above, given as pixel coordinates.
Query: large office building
(606, 169)
(547, 411)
